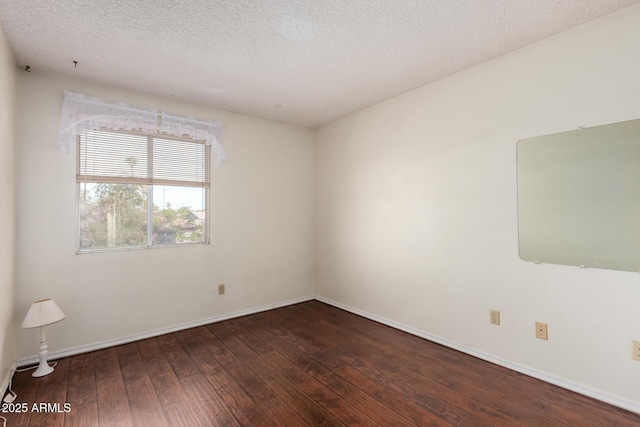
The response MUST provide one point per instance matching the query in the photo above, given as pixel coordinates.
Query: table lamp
(40, 314)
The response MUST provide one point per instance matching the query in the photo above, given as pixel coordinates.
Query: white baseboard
(7, 379)
(52, 355)
(560, 382)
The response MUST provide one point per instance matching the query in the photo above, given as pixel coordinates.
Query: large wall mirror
(579, 197)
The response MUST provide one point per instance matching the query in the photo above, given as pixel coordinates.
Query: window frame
(149, 196)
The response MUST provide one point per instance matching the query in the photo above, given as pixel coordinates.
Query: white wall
(8, 80)
(262, 229)
(416, 211)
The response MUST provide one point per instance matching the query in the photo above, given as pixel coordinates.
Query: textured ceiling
(304, 62)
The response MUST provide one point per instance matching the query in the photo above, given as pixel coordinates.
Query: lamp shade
(41, 313)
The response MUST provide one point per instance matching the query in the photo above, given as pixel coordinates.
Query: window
(140, 190)
(142, 174)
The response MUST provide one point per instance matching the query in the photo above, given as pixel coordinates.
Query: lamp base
(43, 367)
(42, 370)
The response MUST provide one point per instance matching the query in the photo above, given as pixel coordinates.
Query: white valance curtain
(81, 113)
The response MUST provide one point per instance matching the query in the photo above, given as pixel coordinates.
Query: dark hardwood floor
(306, 364)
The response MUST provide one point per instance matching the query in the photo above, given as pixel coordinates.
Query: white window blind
(119, 157)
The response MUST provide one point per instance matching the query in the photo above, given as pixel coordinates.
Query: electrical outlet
(635, 350)
(541, 331)
(494, 317)
(221, 289)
